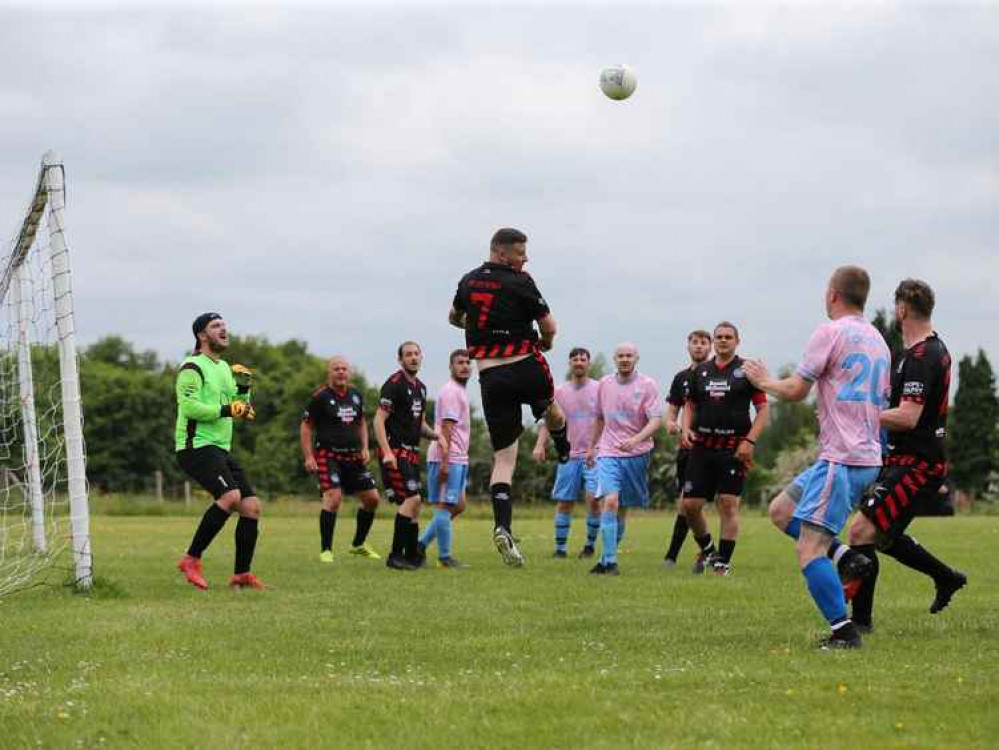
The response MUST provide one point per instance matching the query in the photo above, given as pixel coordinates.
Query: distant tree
(886, 324)
(974, 427)
(114, 350)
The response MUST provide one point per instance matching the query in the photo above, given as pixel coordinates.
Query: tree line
(130, 412)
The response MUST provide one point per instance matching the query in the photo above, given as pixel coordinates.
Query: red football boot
(246, 581)
(191, 568)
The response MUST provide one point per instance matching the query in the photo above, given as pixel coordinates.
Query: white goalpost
(43, 482)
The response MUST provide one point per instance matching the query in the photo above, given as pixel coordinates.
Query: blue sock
(562, 523)
(793, 528)
(430, 533)
(608, 533)
(592, 529)
(442, 522)
(620, 528)
(825, 587)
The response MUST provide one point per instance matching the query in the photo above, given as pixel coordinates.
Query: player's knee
(229, 501)
(249, 507)
(690, 506)
(728, 506)
(370, 501)
(780, 511)
(331, 502)
(610, 504)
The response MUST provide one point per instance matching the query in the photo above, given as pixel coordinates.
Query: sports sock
(502, 504)
(562, 524)
(836, 551)
(399, 534)
(592, 529)
(561, 439)
(430, 532)
(621, 524)
(442, 520)
(412, 540)
(365, 518)
(211, 524)
(863, 600)
(826, 590)
(608, 534)
(704, 542)
(680, 529)
(725, 549)
(327, 525)
(793, 528)
(913, 555)
(246, 543)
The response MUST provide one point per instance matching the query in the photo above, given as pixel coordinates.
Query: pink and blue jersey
(579, 404)
(452, 405)
(850, 364)
(626, 408)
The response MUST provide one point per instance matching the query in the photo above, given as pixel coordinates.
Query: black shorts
(682, 458)
(903, 488)
(343, 470)
(506, 388)
(713, 471)
(215, 470)
(403, 481)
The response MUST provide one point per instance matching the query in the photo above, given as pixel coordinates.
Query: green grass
(354, 655)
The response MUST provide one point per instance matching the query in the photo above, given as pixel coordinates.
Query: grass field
(354, 655)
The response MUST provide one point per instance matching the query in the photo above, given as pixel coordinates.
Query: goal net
(44, 521)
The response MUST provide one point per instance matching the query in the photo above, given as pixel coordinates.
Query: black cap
(201, 323)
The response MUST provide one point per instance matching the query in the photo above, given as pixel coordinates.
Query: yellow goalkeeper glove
(239, 410)
(243, 376)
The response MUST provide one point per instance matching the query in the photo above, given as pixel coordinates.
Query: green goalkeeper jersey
(203, 387)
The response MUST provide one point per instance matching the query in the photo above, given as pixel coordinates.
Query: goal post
(42, 454)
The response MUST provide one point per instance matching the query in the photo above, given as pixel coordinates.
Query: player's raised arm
(456, 318)
(792, 388)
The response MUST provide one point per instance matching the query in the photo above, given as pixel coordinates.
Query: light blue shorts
(571, 478)
(627, 477)
(457, 480)
(827, 493)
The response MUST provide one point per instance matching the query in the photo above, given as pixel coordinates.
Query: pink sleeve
(449, 408)
(653, 401)
(818, 352)
(599, 409)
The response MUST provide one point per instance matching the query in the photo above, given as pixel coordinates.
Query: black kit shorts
(506, 388)
(905, 485)
(344, 471)
(404, 480)
(711, 472)
(215, 470)
(682, 459)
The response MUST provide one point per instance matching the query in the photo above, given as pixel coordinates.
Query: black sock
(863, 600)
(413, 540)
(327, 525)
(211, 524)
(704, 542)
(246, 543)
(502, 505)
(680, 529)
(364, 520)
(400, 533)
(725, 549)
(561, 438)
(913, 555)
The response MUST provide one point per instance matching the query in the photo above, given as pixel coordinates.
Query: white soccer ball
(618, 82)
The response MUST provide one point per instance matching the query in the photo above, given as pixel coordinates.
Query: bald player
(334, 438)
(629, 411)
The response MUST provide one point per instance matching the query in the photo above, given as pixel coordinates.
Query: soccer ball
(618, 82)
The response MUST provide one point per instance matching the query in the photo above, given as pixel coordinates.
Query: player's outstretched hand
(243, 375)
(755, 371)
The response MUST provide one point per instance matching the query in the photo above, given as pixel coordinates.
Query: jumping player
(209, 398)
(699, 348)
(720, 436)
(497, 305)
(578, 401)
(848, 361)
(629, 412)
(334, 441)
(399, 424)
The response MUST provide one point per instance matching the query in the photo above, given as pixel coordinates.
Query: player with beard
(721, 437)
(210, 396)
(447, 459)
(399, 424)
(334, 441)
(497, 305)
(699, 348)
(578, 401)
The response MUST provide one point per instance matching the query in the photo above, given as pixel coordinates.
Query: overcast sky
(328, 174)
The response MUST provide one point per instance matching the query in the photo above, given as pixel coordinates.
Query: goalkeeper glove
(243, 376)
(239, 410)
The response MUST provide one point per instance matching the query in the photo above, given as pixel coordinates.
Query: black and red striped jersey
(923, 376)
(721, 397)
(500, 306)
(336, 418)
(405, 401)
(679, 389)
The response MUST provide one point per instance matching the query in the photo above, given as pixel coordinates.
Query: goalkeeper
(210, 396)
